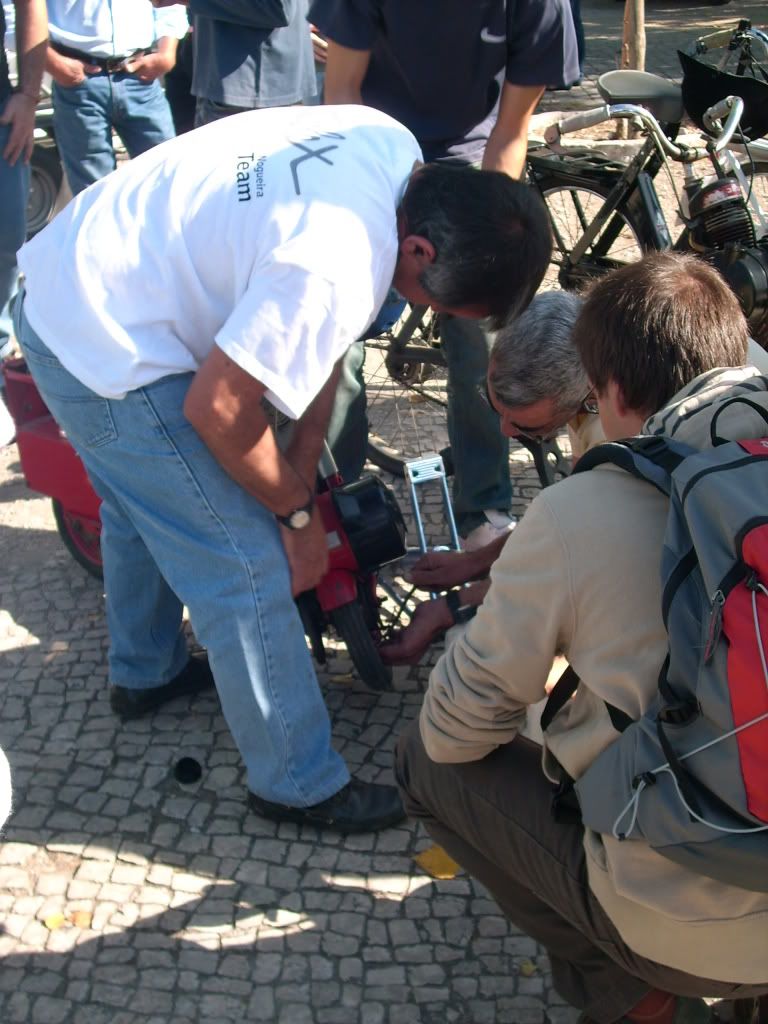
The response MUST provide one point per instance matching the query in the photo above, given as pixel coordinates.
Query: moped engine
(745, 269)
(720, 216)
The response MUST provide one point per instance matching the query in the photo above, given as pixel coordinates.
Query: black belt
(111, 65)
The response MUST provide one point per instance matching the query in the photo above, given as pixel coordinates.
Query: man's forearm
(258, 466)
(167, 46)
(507, 155)
(345, 70)
(32, 44)
(223, 404)
(508, 142)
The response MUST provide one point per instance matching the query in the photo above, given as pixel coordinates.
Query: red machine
(51, 466)
(363, 523)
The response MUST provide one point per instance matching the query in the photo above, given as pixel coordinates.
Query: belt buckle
(114, 65)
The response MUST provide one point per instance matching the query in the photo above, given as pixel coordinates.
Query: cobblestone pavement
(128, 898)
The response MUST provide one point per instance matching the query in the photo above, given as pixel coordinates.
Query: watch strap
(459, 613)
(307, 507)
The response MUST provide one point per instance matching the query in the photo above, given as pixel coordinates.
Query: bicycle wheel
(46, 174)
(81, 538)
(571, 211)
(406, 387)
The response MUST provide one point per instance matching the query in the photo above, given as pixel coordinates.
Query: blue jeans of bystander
(178, 530)
(14, 186)
(85, 114)
(480, 451)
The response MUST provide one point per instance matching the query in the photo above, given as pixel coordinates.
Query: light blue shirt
(108, 28)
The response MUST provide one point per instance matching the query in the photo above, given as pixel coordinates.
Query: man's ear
(418, 250)
(615, 393)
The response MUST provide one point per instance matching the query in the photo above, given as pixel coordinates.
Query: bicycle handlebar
(732, 105)
(588, 119)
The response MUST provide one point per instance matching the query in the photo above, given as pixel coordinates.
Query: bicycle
(605, 213)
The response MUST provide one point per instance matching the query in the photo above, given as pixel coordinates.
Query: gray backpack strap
(647, 457)
(714, 437)
(561, 693)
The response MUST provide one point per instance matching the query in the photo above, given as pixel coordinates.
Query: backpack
(690, 777)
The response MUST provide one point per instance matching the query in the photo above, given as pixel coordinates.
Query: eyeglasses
(588, 406)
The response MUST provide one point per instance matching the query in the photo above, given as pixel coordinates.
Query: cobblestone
(128, 899)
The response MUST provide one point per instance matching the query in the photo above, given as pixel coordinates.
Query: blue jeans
(14, 188)
(480, 452)
(85, 114)
(176, 530)
(579, 27)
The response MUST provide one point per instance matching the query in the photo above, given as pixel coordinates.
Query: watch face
(300, 519)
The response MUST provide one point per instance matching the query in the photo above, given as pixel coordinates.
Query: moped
(364, 527)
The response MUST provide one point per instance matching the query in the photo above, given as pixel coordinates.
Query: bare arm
(438, 570)
(223, 404)
(153, 65)
(429, 622)
(32, 44)
(508, 142)
(345, 70)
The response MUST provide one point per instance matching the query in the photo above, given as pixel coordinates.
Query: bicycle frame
(630, 189)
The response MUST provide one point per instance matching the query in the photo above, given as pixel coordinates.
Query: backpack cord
(760, 644)
(633, 805)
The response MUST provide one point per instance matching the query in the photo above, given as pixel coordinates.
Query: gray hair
(533, 357)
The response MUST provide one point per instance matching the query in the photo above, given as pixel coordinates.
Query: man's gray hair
(533, 357)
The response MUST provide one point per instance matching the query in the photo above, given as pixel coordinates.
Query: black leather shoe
(358, 807)
(193, 678)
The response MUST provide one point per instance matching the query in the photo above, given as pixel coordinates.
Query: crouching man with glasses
(537, 385)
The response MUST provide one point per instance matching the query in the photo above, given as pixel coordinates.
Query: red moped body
(49, 462)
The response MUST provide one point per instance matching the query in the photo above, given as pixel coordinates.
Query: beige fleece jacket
(580, 576)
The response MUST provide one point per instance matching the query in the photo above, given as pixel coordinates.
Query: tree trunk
(633, 42)
(632, 47)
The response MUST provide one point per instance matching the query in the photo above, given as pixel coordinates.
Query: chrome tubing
(732, 105)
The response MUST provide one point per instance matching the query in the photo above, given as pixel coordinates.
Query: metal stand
(428, 469)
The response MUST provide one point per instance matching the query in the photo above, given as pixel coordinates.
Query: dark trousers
(493, 817)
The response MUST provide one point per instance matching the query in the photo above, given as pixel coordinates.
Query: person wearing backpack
(635, 928)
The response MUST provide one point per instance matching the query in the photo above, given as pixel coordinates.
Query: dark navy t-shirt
(438, 65)
(5, 85)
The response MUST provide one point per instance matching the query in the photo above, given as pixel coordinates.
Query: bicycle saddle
(663, 98)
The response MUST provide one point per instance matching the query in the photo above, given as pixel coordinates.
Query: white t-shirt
(272, 232)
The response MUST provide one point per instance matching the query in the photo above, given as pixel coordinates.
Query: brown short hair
(653, 326)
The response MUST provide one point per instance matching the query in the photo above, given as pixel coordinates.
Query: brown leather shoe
(193, 678)
(358, 807)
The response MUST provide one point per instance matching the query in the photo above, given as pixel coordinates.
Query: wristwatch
(299, 518)
(459, 612)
